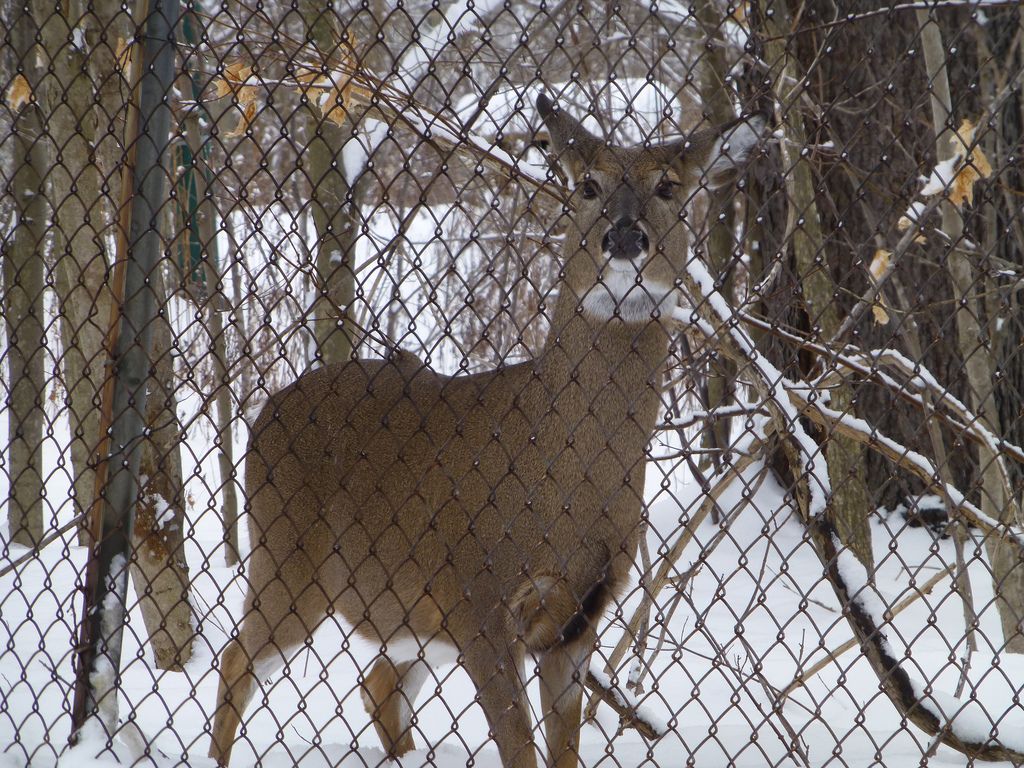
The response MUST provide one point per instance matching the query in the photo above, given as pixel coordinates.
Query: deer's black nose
(625, 240)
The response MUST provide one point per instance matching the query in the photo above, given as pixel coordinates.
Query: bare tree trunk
(975, 351)
(721, 240)
(159, 570)
(850, 504)
(225, 450)
(24, 259)
(70, 40)
(77, 43)
(335, 209)
(216, 302)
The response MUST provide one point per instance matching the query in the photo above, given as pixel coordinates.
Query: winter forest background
(357, 177)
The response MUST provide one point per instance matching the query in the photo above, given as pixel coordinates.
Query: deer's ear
(719, 154)
(574, 147)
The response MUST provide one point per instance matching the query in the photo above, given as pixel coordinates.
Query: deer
(483, 517)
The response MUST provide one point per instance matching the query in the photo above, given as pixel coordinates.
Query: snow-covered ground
(757, 608)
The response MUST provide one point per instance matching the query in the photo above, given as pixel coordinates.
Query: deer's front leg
(389, 696)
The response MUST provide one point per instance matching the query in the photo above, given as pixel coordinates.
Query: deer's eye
(666, 190)
(589, 189)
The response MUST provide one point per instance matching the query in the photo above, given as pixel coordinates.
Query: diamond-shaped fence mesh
(488, 383)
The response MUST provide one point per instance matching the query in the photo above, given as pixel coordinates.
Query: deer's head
(628, 239)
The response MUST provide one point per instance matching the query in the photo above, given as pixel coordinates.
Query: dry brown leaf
(308, 80)
(332, 106)
(244, 121)
(19, 93)
(879, 266)
(904, 223)
(233, 81)
(975, 166)
(334, 103)
(247, 96)
(740, 13)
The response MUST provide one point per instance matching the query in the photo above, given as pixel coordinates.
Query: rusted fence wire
(495, 383)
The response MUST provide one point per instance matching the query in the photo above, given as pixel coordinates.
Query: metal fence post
(103, 615)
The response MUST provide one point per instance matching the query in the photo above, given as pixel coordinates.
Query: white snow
(819, 487)
(763, 577)
(920, 377)
(941, 177)
(357, 150)
(91, 749)
(460, 16)
(970, 720)
(164, 512)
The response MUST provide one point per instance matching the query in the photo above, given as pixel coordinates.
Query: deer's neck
(609, 371)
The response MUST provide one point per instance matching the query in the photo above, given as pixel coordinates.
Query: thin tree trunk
(1007, 571)
(216, 302)
(80, 54)
(850, 505)
(159, 570)
(962, 579)
(24, 259)
(721, 239)
(75, 191)
(335, 209)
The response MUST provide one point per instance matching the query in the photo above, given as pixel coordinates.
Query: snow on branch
(957, 175)
(856, 363)
(715, 414)
(348, 86)
(850, 426)
(713, 315)
(891, 11)
(748, 450)
(631, 712)
(919, 377)
(457, 19)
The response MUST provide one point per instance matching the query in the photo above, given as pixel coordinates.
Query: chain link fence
(470, 382)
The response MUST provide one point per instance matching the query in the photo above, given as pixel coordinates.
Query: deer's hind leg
(560, 624)
(278, 620)
(494, 662)
(562, 671)
(389, 696)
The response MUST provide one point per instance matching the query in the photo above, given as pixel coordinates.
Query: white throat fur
(622, 292)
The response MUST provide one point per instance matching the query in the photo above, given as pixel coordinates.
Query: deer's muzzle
(626, 240)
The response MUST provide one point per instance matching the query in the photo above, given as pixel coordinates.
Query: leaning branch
(915, 463)
(803, 676)
(630, 714)
(951, 721)
(35, 550)
(655, 582)
(868, 369)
